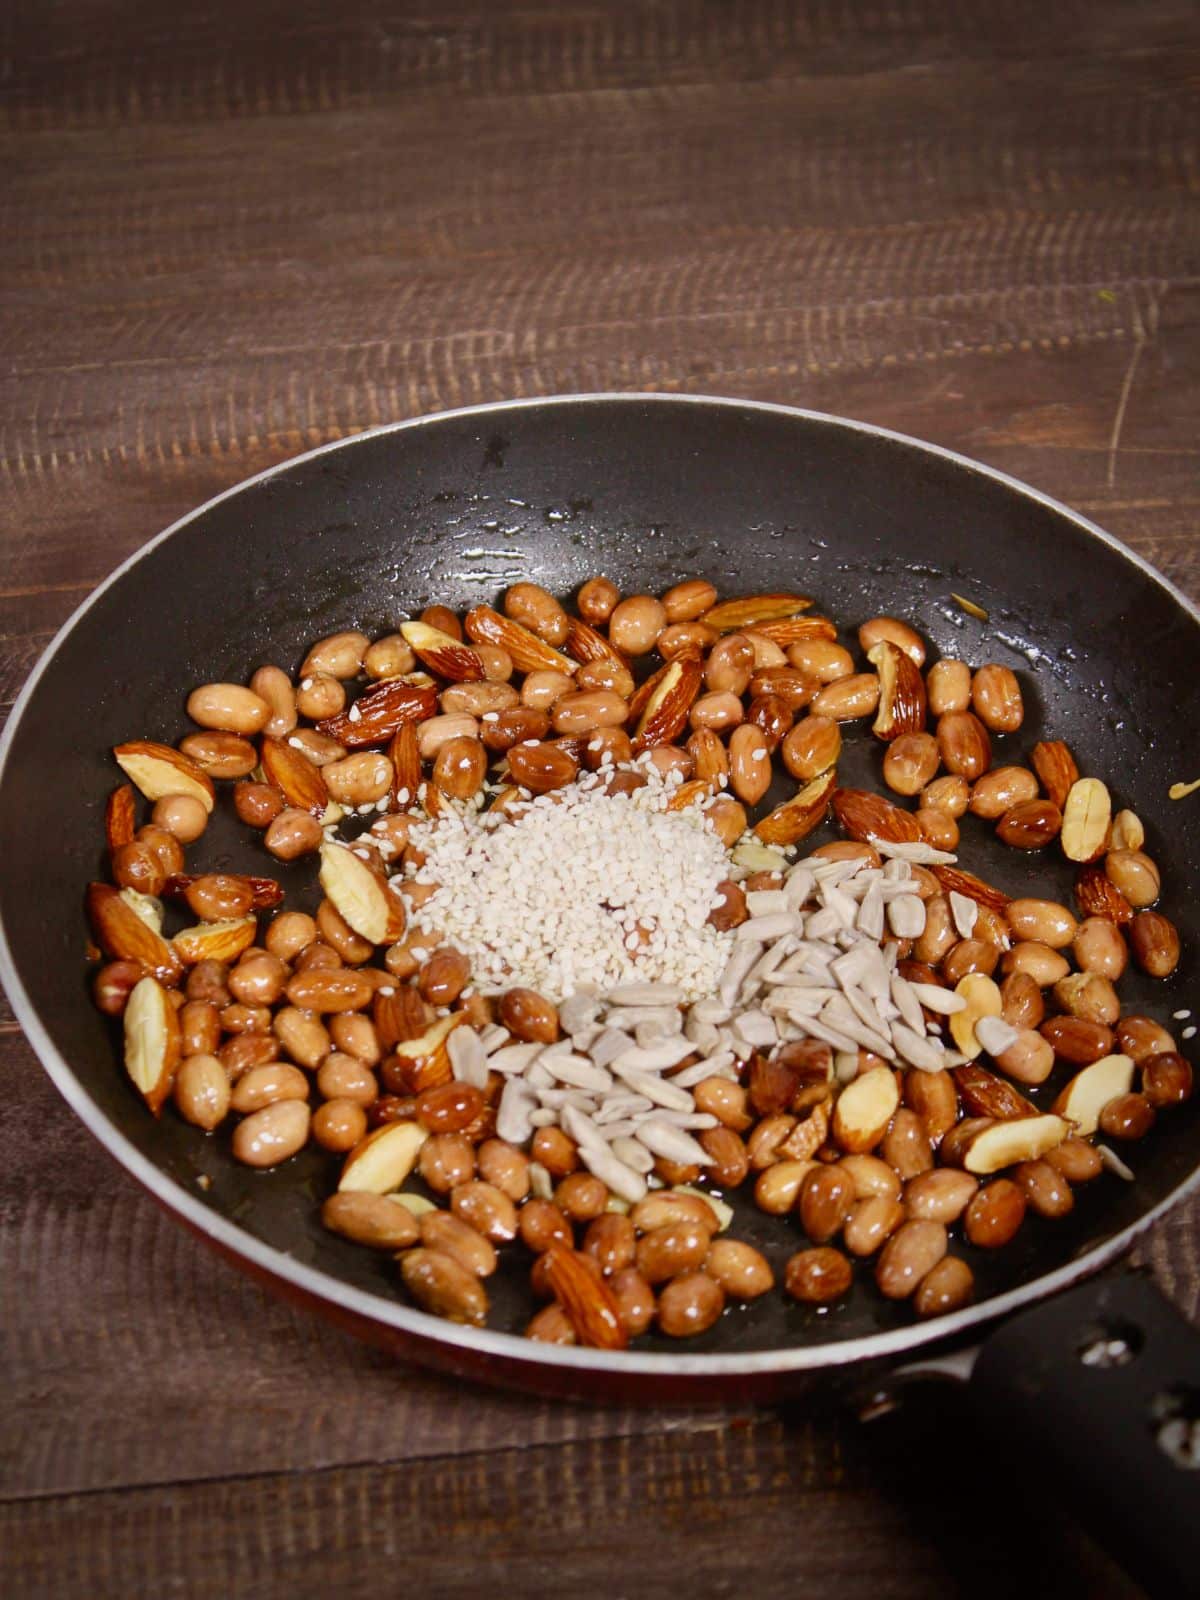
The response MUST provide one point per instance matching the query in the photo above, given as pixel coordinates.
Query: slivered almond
(1056, 769)
(864, 1108)
(1098, 896)
(796, 818)
(955, 880)
(152, 1041)
(358, 895)
(985, 1095)
(865, 816)
(1089, 1091)
(442, 653)
(751, 611)
(902, 699)
(297, 778)
(122, 934)
(1003, 1144)
(406, 766)
(983, 999)
(214, 941)
(425, 1061)
(120, 817)
(159, 769)
(381, 1162)
(586, 1299)
(1086, 819)
(796, 630)
(586, 643)
(666, 712)
(528, 652)
(266, 893)
(381, 709)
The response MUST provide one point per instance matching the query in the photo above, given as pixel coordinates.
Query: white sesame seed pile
(579, 889)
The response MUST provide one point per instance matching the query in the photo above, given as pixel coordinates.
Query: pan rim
(512, 1348)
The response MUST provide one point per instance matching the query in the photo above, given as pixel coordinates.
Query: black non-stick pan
(650, 490)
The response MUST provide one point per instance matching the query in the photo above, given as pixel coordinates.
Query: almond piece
(1098, 896)
(425, 1061)
(985, 1095)
(159, 769)
(122, 934)
(215, 941)
(1089, 1091)
(864, 1108)
(902, 698)
(405, 755)
(666, 711)
(528, 652)
(752, 610)
(152, 1041)
(983, 999)
(381, 1162)
(955, 881)
(586, 1299)
(866, 816)
(586, 643)
(1056, 769)
(1003, 1144)
(796, 630)
(442, 653)
(358, 895)
(796, 818)
(1087, 816)
(297, 778)
(381, 709)
(120, 817)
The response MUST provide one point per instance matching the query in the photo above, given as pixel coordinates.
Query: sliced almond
(1090, 1090)
(120, 817)
(425, 1062)
(159, 769)
(866, 816)
(528, 652)
(751, 610)
(796, 818)
(1087, 817)
(864, 1108)
(955, 881)
(381, 709)
(982, 998)
(356, 893)
(983, 1094)
(1003, 1144)
(902, 698)
(122, 934)
(1055, 766)
(586, 643)
(382, 1161)
(442, 653)
(297, 778)
(795, 630)
(214, 941)
(152, 1041)
(666, 711)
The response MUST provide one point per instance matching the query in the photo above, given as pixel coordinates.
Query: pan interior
(648, 492)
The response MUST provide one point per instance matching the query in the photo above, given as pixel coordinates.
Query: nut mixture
(572, 979)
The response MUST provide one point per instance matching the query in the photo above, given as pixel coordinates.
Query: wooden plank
(715, 1513)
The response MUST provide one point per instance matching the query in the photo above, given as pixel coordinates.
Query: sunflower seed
(673, 1144)
(965, 913)
(645, 994)
(994, 1034)
(633, 1153)
(621, 1179)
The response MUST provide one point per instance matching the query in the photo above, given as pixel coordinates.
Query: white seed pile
(809, 963)
(579, 889)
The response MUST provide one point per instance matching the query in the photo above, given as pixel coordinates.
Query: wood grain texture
(230, 233)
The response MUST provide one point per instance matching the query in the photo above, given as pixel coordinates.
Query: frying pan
(649, 489)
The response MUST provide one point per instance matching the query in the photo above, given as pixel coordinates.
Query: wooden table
(232, 232)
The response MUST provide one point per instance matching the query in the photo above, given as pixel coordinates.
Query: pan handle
(1101, 1385)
